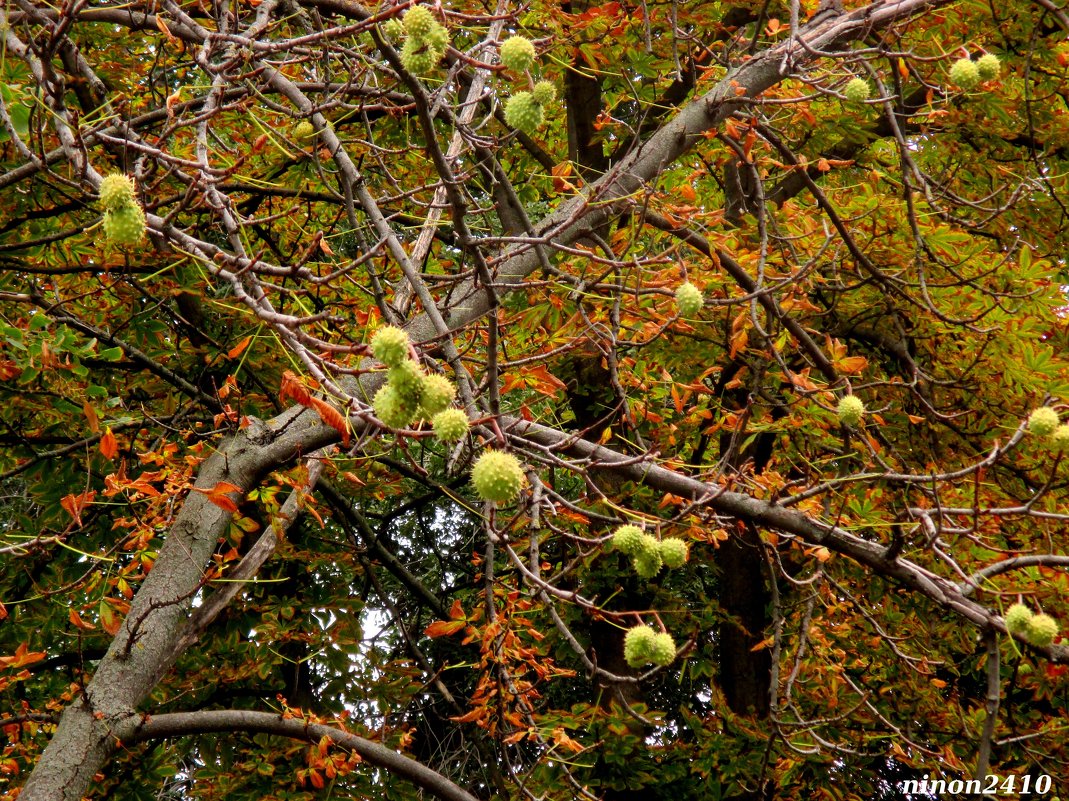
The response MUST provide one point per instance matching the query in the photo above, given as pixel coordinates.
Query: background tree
(236, 567)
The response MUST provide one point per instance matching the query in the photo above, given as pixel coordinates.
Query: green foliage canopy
(225, 577)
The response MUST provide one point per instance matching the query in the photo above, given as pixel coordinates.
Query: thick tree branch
(184, 724)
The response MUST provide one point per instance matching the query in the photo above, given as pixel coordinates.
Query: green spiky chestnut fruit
(517, 53)
(1017, 618)
(438, 393)
(407, 379)
(393, 29)
(418, 21)
(416, 57)
(125, 225)
(524, 113)
(116, 192)
(392, 408)
(674, 552)
(646, 558)
(689, 300)
(662, 650)
(638, 645)
(303, 130)
(390, 345)
(450, 425)
(497, 476)
(857, 90)
(627, 539)
(1060, 438)
(437, 41)
(544, 93)
(1041, 631)
(851, 410)
(988, 66)
(1043, 421)
(965, 73)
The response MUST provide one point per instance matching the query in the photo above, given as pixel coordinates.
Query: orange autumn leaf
(471, 717)
(293, 389)
(220, 495)
(852, 365)
(91, 415)
(331, 416)
(23, 656)
(239, 348)
(443, 628)
(561, 738)
(108, 444)
(74, 505)
(77, 621)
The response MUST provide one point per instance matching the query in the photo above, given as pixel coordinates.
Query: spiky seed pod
(857, 90)
(1043, 421)
(638, 645)
(689, 300)
(524, 113)
(663, 649)
(1041, 631)
(393, 29)
(649, 545)
(1060, 438)
(674, 552)
(988, 66)
(646, 565)
(390, 345)
(418, 21)
(965, 73)
(627, 539)
(407, 379)
(392, 408)
(851, 410)
(646, 558)
(417, 58)
(544, 93)
(450, 425)
(497, 476)
(116, 192)
(125, 225)
(303, 130)
(437, 41)
(1017, 618)
(438, 393)
(517, 53)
